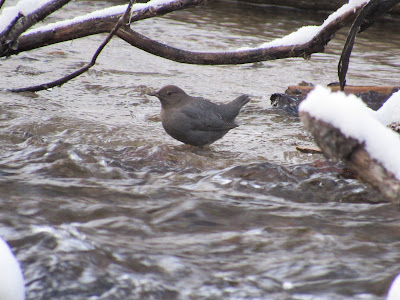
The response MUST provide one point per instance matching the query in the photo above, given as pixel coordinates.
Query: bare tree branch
(63, 80)
(100, 25)
(317, 44)
(364, 19)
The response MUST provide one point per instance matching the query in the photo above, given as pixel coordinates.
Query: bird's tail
(240, 101)
(230, 110)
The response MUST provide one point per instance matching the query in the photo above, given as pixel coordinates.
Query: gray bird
(194, 120)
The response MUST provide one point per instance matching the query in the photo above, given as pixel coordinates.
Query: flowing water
(98, 202)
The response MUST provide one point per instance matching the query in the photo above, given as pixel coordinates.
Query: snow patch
(394, 291)
(11, 279)
(102, 13)
(302, 35)
(23, 7)
(27, 7)
(390, 110)
(307, 33)
(8, 15)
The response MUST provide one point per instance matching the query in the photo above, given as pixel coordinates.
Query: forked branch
(123, 19)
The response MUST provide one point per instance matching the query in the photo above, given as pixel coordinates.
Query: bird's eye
(169, 93)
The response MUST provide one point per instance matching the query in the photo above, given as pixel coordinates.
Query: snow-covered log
(346, 129)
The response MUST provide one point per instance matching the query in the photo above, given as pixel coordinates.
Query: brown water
(98, 202)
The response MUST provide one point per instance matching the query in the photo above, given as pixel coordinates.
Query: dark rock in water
(395, 126)
(291, 99)
(374, 99)
(286, 103)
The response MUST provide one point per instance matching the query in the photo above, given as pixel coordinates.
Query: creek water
(98, 202)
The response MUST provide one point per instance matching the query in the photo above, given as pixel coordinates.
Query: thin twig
(364, 19)
(2, 3)
(75, 74)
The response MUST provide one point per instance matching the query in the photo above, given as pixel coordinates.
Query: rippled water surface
(98, 202)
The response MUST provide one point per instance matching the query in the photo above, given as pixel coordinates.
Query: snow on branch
(306, 34)
(17, 19)
(345, 128)
(302, 43)
(113, 12)
(101, 21)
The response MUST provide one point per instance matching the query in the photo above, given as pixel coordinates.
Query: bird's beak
(153, 94)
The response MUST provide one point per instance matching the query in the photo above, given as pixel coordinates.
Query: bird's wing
(204, 116)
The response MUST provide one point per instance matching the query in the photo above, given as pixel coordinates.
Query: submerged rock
(289, 101)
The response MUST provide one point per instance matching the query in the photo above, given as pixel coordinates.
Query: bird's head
(170, 96)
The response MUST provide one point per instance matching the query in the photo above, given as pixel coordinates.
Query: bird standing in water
(194, 120)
